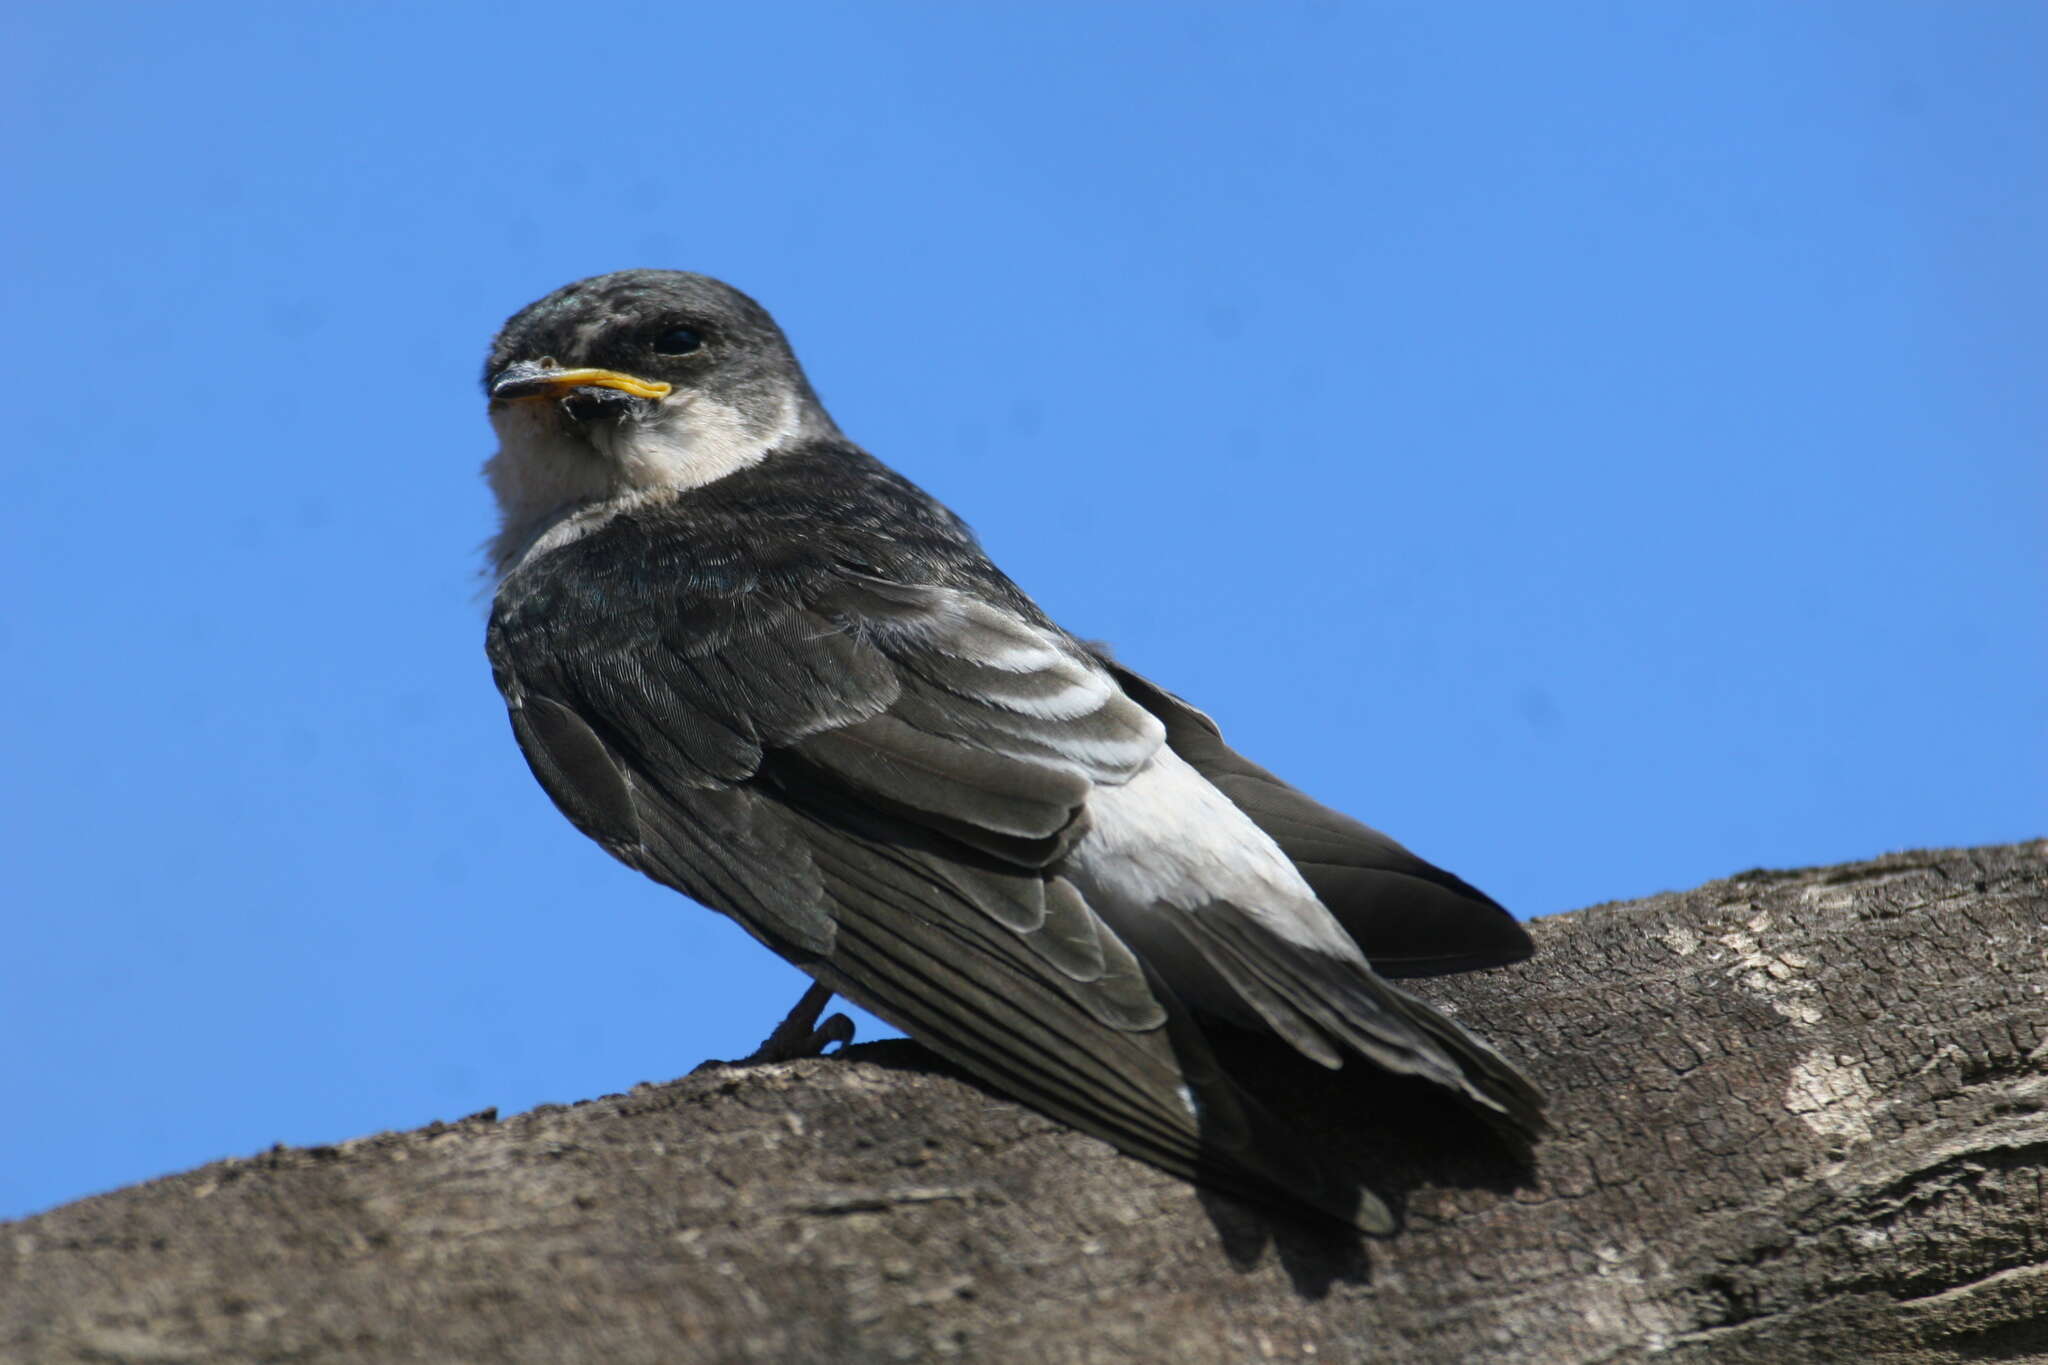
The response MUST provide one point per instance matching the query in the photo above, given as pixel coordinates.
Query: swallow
(766, 670)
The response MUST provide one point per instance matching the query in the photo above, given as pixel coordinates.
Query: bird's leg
(800, 1034)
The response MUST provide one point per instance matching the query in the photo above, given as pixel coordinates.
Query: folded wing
(880, 781)
(1410, 917)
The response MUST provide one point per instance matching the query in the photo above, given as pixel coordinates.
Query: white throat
(556, 483)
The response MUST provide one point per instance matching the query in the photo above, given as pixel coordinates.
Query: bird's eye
(678, 341)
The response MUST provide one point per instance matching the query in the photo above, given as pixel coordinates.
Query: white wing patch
(1078, 693)
(1068, 712)
(1161, 839)
(1167, 841)
(1026, 652)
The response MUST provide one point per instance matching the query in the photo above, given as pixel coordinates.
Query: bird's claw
(800, 1034)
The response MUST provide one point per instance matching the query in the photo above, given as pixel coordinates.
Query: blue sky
(1600, 444)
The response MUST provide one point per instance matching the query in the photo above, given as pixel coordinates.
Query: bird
(765, 669)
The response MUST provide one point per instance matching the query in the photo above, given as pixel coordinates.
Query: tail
(1325, 1006)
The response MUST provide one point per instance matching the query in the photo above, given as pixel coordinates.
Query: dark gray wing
(1410, 917)
(875, 780)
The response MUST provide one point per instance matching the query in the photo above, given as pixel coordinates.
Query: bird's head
(634, 385)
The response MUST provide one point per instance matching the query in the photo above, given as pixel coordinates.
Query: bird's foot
(800, 1034)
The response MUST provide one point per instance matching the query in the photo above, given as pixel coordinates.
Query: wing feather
(880, 781)
(1410, 917)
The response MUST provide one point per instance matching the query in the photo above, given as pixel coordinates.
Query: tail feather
(1318, 1003)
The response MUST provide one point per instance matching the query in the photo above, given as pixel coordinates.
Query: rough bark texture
(1800, 1117)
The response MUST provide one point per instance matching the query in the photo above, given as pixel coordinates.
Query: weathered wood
(1800, 1117)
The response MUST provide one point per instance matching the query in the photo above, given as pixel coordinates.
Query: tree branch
(1800, 1117)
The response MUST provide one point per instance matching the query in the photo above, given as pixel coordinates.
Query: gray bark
(1800, 1117)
